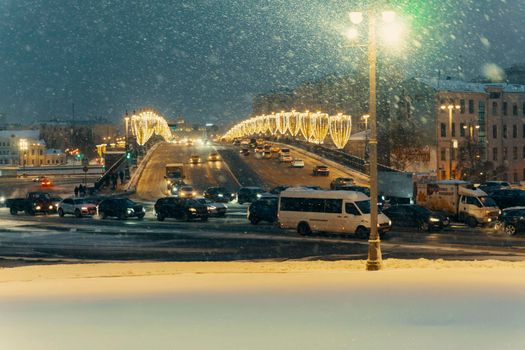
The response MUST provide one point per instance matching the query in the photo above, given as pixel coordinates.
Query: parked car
(267, 155)
(297, 163)
(320, 170)
(121, 208)
(508, 198)
(513, 220)
(219, 194)
(216, 209)
(180, 208)
(416, 216)
(34, 203)
(77, 206)
(263, 209)
(214, 157)
(490, 186)
(341, 182)
(249, 194)
(195, 159)
(245, 151)
(186, 192)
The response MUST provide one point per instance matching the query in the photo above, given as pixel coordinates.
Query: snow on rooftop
(28, 134)
(463, 86)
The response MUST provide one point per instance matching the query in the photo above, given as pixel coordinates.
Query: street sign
(85, 169)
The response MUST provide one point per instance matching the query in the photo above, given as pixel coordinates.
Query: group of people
(80, 191)
(114, 179)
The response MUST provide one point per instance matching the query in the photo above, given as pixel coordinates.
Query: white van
(327, 211)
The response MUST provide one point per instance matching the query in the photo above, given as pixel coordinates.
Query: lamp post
(126, 120)
(374, 261)
(450, 108)
(365, 118)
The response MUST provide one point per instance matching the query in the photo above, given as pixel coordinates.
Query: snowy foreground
(264, 305)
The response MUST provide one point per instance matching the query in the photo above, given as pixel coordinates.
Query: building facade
(470, 130)
(15, 144)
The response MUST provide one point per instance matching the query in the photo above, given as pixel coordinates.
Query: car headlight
(84, 208)
(389, 222)
(143, 209)
(38, 207)
(193, 210)
(130, 210)
(212, 207)
(2, 199)
(259, 195)
(182, 194)
(220, 195)
(499, 211)
(51, 207)
(432, 219)
(194, 193)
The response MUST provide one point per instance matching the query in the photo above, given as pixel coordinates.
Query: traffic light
(128, 154)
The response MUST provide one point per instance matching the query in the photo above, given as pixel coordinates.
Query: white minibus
(327, 211)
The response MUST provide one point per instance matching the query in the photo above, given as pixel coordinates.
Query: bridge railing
(109, 172)
(338, 156)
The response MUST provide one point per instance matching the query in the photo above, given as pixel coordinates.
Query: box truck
(459, 199)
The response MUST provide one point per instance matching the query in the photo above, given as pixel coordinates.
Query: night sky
(205, 60)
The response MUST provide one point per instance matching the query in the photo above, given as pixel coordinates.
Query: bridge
(313, 127)
(144, 124)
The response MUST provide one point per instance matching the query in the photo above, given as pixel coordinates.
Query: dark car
(264, 209)
(341, 182)
(320, 170)
(513, 220)
(279, 189)
(490, 186)
(219, 194)
(180, 208)
(121, 208)
(416, 216)
(249, 194)
(508, 198)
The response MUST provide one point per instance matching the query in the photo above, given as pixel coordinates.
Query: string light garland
(314, 127)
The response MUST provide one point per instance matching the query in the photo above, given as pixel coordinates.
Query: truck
(175, 171)
(32, 204)
(459, 199)
(396, 187)
(174, 174)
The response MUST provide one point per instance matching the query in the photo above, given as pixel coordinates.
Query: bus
(327, 211)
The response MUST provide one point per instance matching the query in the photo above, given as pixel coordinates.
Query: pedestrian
(81, 190)
(76, 191)
(121, 175)
(114, 178)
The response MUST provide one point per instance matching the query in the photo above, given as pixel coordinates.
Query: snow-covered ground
(262, 305)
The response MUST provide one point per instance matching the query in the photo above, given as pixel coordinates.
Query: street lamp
(374, 261)
(450, 108)
(126, 119)
(365, 118)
